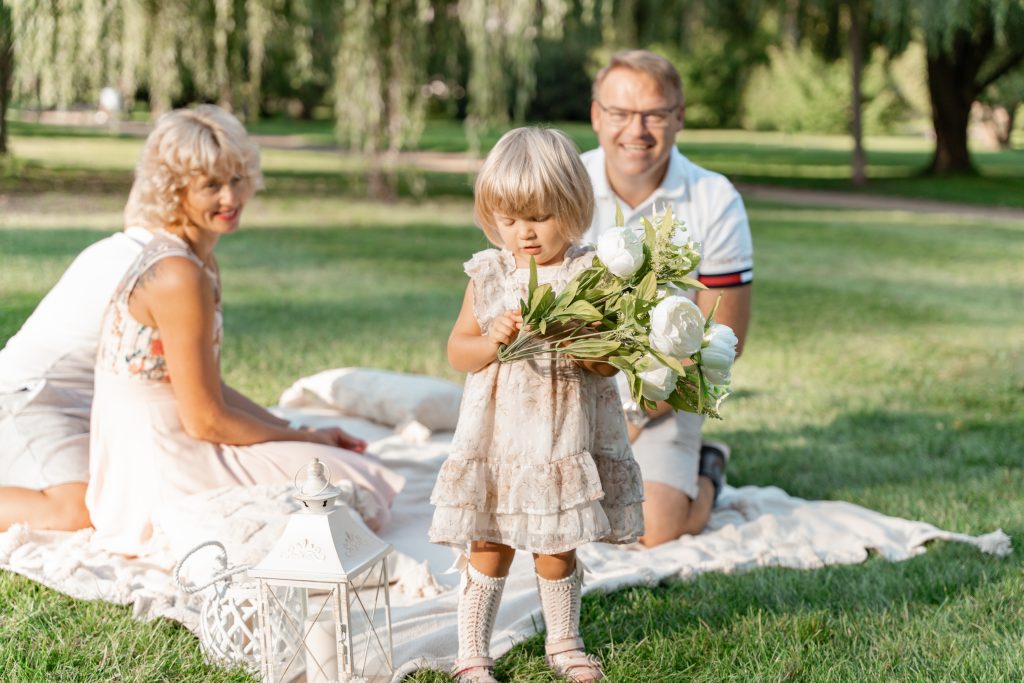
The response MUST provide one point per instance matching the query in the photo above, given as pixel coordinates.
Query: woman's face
(214, 202)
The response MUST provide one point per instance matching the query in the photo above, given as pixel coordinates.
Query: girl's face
(214, 202)
(538, 237)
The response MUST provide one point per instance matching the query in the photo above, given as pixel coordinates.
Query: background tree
(6, 70)
(971, 45)
(835, 29)
(379, 72)
(501, 39)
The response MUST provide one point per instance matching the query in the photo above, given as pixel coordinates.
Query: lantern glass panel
(341, 631)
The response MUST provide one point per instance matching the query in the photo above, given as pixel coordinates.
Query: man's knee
(668, 514)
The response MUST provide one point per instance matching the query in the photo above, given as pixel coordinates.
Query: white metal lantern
(335, 562)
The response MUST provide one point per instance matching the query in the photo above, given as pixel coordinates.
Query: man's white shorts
(668, 451)
(44, 437)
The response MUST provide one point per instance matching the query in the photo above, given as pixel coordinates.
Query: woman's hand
(505, 327)
(334, 436)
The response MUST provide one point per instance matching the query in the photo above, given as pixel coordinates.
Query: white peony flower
(621, 250)
(677, 327)
(659, 381)
(717, 357)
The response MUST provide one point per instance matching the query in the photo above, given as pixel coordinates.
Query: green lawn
(884, 367)
(77, 159)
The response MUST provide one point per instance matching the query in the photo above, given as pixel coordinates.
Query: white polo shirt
(58, 341)
(707, 203)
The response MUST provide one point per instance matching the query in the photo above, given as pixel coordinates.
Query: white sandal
(474, 670)
(568, 659)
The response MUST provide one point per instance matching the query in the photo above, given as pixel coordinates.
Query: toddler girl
(540, 459)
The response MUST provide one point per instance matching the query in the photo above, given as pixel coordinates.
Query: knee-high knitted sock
(478, 607)
(560, 601)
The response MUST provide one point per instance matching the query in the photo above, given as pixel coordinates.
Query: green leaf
(619, 219)
(688, 283)
(543, 325)
(650, 239)
(648, 288)
(583, 310)
(636, 388)
(670, 362)
(590, 348)
(711, 315)
(622, 363)
(537, 296)
(680, 401)
(568, 294)
(700, 391)
(666, 220)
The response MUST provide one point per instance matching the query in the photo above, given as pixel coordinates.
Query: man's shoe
(714, 456)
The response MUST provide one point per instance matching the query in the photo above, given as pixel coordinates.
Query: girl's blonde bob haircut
(186, 143)
(532, 173)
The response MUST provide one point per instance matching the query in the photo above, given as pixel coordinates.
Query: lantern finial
(316, 491)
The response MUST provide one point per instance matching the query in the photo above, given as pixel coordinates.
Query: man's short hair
(646, 62)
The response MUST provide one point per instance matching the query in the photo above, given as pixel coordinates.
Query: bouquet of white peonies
(622, 311)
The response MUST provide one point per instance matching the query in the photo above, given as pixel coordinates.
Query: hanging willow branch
(502, 41)
(379, 74)
(259, 15)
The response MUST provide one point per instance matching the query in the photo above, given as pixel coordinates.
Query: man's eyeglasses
(651, 118)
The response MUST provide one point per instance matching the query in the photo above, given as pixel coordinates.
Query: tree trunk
(1006, 132)
(951, 109)
(6, 71)
(952, 88)
(858, 164)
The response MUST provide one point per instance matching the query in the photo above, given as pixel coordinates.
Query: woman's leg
(61, 508)
(482, 586)
(560, 584)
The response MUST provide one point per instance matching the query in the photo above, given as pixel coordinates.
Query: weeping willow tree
(379, 72)
(68, 49)
(971, 45)
(501, 37)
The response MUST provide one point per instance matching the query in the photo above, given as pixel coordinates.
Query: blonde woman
(164, 424)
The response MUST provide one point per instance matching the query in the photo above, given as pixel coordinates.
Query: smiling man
(637, 111)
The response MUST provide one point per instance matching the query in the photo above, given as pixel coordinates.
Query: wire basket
(228, 621)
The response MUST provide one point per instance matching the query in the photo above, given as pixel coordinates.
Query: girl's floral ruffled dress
(540, 459)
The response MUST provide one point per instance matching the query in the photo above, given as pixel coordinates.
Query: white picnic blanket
(751, 527)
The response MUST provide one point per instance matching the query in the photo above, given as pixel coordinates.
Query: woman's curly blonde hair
(186, 143)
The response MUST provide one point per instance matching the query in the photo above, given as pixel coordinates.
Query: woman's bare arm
(176, 297)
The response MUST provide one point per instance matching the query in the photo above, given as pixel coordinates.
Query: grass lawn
(68, 158)
(884, 367)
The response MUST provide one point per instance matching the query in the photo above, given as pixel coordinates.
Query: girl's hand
(505, 327)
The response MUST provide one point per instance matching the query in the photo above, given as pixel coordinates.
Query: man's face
(639, 146)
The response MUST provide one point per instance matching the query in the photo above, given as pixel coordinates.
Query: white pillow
(392, 398)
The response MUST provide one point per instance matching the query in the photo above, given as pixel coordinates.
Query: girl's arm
(177, 298)
(468, 348)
